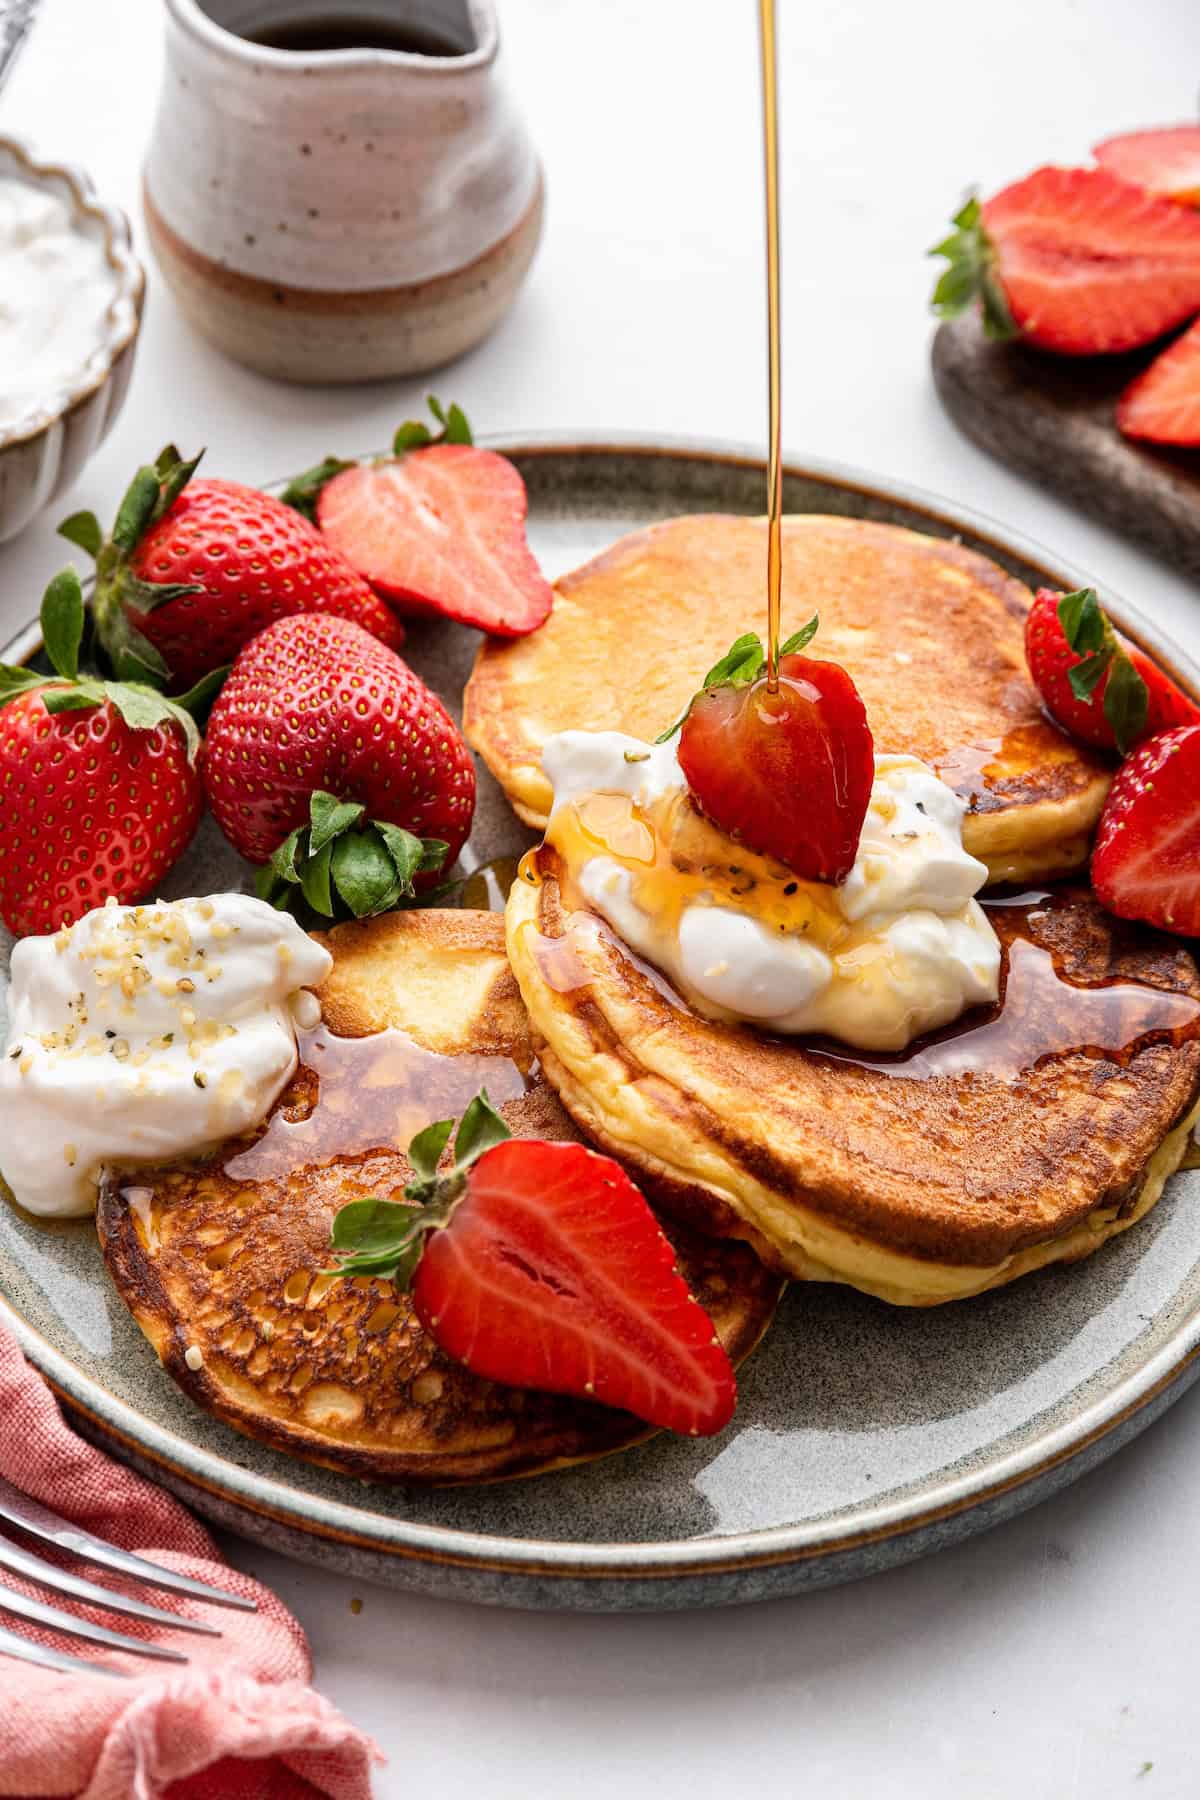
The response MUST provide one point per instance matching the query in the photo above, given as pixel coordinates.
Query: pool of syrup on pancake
(1042, 1011)
(373, 1093)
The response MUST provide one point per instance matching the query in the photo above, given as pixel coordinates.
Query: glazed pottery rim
(190, 16)
(124, 312)
(1047, 1447)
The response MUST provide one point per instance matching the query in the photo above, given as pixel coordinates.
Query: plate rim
(561, 1560)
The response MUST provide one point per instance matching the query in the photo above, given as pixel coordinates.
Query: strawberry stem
(1089, 633)
(118, 591)
(304, 491)
(342, 865)
(143, 708)
(972, 275)
(384, 1238)
(414, 435)
(741, 664)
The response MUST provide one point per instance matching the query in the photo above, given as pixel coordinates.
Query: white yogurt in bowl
(57, 291)
(71, 294)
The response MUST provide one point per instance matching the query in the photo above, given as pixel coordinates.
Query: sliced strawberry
(1162, 405)
(1164, 161)
(437, 527)
(540, 1265)
(1075, 260)
(787, 772)
(1097, 685)
(1146, 862)
(441, 530)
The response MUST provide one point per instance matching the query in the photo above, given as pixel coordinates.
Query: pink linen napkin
(239, 1723)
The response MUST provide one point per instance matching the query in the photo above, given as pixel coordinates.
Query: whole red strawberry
(1097, 685)
(1146, 860)
(540, 1265)
(101, 787)
(1075, 260)
(317, 712)
(194, 569)
(787, 772)
(437, 527)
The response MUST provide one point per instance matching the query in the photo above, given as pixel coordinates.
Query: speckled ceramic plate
(865, 1435)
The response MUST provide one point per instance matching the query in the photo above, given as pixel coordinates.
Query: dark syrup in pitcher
(353, 31)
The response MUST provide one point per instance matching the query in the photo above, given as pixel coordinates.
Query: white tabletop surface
(1055, 1657)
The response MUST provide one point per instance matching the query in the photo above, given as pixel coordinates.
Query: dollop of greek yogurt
(56, 286)
(143, 1033)
(899, 949)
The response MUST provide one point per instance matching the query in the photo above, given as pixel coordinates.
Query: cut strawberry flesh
(553, 1273)
(441, 530)
(1162, 405)
(1146, 863)
(1090, 263)
(1165, 161)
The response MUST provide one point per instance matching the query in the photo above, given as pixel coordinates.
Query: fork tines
(30, 1516)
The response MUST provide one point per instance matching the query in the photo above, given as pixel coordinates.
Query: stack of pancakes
(919, 1179)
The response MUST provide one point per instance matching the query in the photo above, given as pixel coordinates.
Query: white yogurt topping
(56, 285)
(913, 949)
(143, 1033)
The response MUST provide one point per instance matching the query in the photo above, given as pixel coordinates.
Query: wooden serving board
(1052, 418)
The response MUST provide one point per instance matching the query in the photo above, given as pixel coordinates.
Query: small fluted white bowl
(42, 452)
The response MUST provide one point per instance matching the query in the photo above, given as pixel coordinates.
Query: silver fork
(38, 1521)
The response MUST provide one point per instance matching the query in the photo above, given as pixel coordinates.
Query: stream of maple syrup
(770, 100)
(373, 1093)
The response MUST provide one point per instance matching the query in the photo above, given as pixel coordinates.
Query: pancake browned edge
(933, 634)
(915, 1190)
(340, 1372)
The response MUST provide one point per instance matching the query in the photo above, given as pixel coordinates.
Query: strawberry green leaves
(380, 1238)
(83, 530)
(303, 492)
(426, 1149)
(143, 708)
(152, 492)
(413, 435)
(343, 865)
(62, 623)
(971, 274)
(479, 1129)
(1090, 635)
(743, 663)
(383, 1238)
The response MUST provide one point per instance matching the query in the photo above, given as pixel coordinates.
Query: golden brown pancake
(1022, 1135)
(932, 633)
(221, 1262)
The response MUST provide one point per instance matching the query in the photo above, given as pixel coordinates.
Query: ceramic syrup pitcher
(340, 190)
